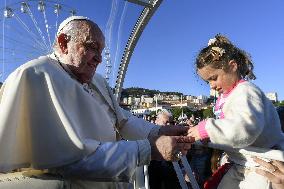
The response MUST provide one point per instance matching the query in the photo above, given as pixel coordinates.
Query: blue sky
(164, 56)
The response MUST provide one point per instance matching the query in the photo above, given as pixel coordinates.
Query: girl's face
(218, 79)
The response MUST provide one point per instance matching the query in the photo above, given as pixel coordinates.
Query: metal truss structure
(150, 6)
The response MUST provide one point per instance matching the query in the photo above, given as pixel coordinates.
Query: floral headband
(216, 52)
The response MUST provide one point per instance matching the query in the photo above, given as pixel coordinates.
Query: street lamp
(156, 99)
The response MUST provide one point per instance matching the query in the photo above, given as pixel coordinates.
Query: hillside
(137, 92)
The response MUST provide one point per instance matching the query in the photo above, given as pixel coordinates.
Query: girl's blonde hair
(220, 51)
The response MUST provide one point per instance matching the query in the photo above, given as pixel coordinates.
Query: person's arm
(117, 161)
(244, 120)
(112, 161)
(131, 127)
(136, 128)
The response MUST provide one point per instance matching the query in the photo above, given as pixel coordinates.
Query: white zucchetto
(69, 19)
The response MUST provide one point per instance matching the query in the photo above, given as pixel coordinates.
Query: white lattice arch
(150, 7)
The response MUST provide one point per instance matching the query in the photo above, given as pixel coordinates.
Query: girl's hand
(193, 132)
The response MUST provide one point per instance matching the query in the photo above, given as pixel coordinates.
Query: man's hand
(275, 173)
(165, 147)
(193, 132)
(175, 130)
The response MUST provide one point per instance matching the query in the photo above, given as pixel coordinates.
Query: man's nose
(97, 58)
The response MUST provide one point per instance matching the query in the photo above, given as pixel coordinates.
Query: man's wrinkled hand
(165, 147)
(175, 130)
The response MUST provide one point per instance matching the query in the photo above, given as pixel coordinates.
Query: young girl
(245, 117)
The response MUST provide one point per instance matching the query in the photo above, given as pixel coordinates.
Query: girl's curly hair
(220, 51)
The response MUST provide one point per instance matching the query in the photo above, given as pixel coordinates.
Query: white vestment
(49, 120)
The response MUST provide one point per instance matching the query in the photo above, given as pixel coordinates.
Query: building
(198, 101)
(148, 100)
(202, 99)
(130, 100)
(159, 97)
(213, 93)
(184, 104)
(272, 96)
(137, 100)
(145, 111)
(190, 98)
(125, 100)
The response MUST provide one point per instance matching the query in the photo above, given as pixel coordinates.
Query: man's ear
(62, 41)
(233, 65)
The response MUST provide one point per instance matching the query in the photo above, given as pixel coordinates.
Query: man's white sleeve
(112, 161)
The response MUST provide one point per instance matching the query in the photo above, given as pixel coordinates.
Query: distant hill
(137, 92)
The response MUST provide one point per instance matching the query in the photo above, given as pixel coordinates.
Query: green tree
(188, 111)
(176, 112)
(208, 112)
(280, 103)
(152, 114)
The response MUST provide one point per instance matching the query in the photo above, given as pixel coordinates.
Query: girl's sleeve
(244, 119)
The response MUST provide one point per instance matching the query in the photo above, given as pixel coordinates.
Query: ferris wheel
(28, 31)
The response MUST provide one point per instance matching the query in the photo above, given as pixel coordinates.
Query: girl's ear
(233, 65)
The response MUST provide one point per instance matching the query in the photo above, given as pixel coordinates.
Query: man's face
(162, 120)
(84, 55)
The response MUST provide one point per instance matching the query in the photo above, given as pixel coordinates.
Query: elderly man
(57, 114)
(164, 117)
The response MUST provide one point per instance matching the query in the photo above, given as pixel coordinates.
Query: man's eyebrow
(91, 42)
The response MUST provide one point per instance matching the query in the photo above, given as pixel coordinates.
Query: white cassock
(49, 120)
